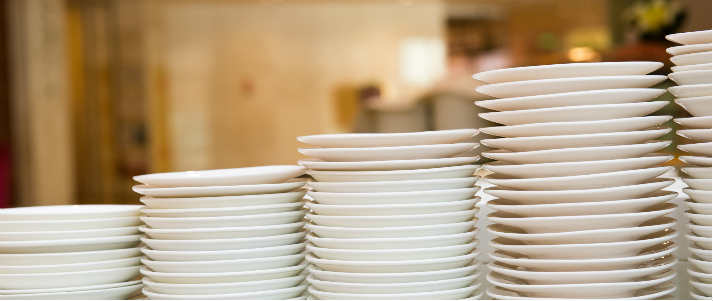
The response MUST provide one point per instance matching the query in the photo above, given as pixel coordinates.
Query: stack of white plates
(692, 73)
(392, 215)
(579, 211)
(223, 234)
(69, 252)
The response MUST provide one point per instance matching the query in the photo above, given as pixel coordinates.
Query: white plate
(556, 224)
(392, 254)
(653, 293)
(702, 242)
(578, 153)
(394, 277)
(394, 186)
(578, 98)
(381, 153)
(570, 141)
(389, 139)
(222, 201)
(224, 211)
(577, 127)
(697, 172)
(393, 209)
(454, 294)
(230, 176)
(590, 181)
(69, 245)
(270, 294)
(66, 258)
(693, 77)
(383, 198)
(71, 267)
(401, 266)
(691, 37)
(701, 122)
(581, 208)
(227, 232)
(68, 289)
(704, 266)
(406, 231)
(691, 48)
(697, 106)
(67, 279)
(693, 272)
(224, 254)
(392, 288)
(703, 288)
(700, 231)
(68, 212)
(703, 148)
(700, 253)
(68, 225)
(699, 196)
(392, 220)
(387, 165)
(223, 288)
(690, 90)
(566, 71)
(699, 219)
(392, 242)
(696, 160)
(394, 175)
(189, 278)
(223, 221)
(108, 292)
(572, 84)
(705, 135)
(692, 58)
(583, 251)
(556, 169)
(199, 191)
(220, 266)
(223, 243)
(706, 66)
(56, 235)
(580, 195)
(575, 113)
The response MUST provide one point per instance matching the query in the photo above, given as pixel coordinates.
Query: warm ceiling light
(582, 54)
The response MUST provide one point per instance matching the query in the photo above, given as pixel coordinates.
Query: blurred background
(93, 92)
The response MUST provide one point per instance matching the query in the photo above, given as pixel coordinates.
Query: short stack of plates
(692, 73)
(69, 252)
(224, 234)
(579, 210)
(392, 215)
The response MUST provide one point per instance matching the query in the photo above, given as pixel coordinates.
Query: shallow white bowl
(690, 90)
(703, 148)
(223, 243)
(222, 201)
(385, 232)
(226, 232)
(577, 127)
(93, 292)
(394, 186)
(219, 266)
(691, 58)
(383, 198)
(199, 191)
(691, 37)
(590, 181)
(71, 267)
(520, 144)
(578, 98)
(453, 294)
(392, 288)
(314, 164)
(685, 49)
(67, 279)
(26, 259)
(566, 71)
(696, 160)
(224, 287)
(381, 153)
(224, 211)
(272, 294)
(188, 278)
(692, 77)
(461, 171)
(68, 212)
(71, 234)
(393, 209)
(555, 169)
(159, 255)
(703, 135)
(231, 176)
(590, 153)
(571, 84)
(575, 113)
(392, 243)
(68, 225)
(389, 139)
(392, 220)
(700, 122)
(391, 254)
(697, 106)
(393, 277)
(697, 172)
(401, 266)
(223, 221)
(69, 245)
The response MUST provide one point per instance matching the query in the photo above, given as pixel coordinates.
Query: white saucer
(558, 169)
(572, 84)
(68, 289)
(699, 219)
(394, 186)
(381, 153)
(393, 277)
(69, 245)
(703, 148)
(699, 196)
(392, 242)
(401, 266)
(697, 160)
(26, 259)
(393, 209)
(68, 212)
(71, 267)
(693, 77)
(698, 106)
(578, 98)
(686, 49)
(406, 231)
(706, 66)
(578, 153)
(222, 201)
(358, 255)
(314, 164)
(690, 90)
(68, 225)
(270, 294)
(224, 211)
(223, 243)
(223, 254)
(575, 113)
(392, 288)
(124, 292)
(223, 287)
(703, 135)
(225, 232)
(384, 198)
(67, 279)
(231, 176)
(71, 234)
(692, 37)
(590, 181)
(566, 71)
(212, 278)
(569, 141)
(223, 221)
(453, 294)
(577, 127)
(698, 172)
(389, 139)
(691, 58)
(220, 266)
(199, 191)
(392, 220)
(394, 175)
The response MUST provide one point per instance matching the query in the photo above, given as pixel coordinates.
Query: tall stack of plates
(69, 252)
(693, 75)
(392, 215)
(579, 209)
(223, 234)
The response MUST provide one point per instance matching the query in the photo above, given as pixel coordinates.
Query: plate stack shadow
(692, 73)
(224, 234)
(392, 216)
(69, 252)
(579, 210)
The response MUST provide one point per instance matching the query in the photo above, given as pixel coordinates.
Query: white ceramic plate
(690, 90)
(699, 196)
(57, 235)
(700, 231)
(578, 98)
(392, 254)
(68, 212)
(701, 122)
(557, 169)
(454, 294)
(393, 277)
(223, 254)
(699, 219)
(702, 242)
(394, 175)
(383, 198)
(381, 153)
(223, 221)
(220, 266)
(68, 289)
(704, 135)
(699, 207)
(590, 181)
(578, 153)
(387, 165)
(572, 84)
(231, 176)
(270, 294)
(704, 266)
(692, 77)
(575, 113)
(698, 252)
(224, 287)
(566, 71)
(653, 293)
(580, 195)
(226, 232)
(68, 225)
(393, 209)
(696, 160)
(703, 148)
(67, 258)
(223, 243)
(393, 220)
(67, 279)
(224, 211)
(71, 267)
(189, 278)
(692, 58)
(69, 245)
(570, 141)
(199, 191)
(222, 201)
(697, 172)
(401, 266)
(691, 48)
(691, 37)
(392, 288)
(406, 231)
(392, 242)
(389, 139)
(102, 292)
(697, 106)
(394, 186)
(577, 127)
(706, 66)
